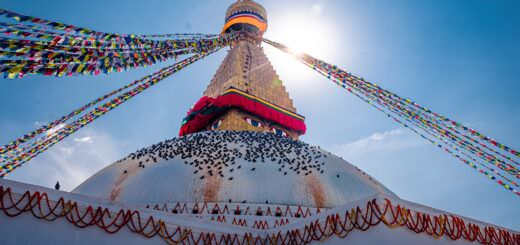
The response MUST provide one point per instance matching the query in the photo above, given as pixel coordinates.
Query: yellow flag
(80, 67)
(15, 71)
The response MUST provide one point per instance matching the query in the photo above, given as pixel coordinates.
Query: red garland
(258, 224)
(228, 209)
(453, 227)
(207, 108)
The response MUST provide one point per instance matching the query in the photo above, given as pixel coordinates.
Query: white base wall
(381, 234)
(25, 229)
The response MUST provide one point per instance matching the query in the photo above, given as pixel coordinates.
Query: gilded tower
(245, 94)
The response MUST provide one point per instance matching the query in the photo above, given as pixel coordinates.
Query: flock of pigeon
(216, 153)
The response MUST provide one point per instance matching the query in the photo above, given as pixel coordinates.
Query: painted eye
(253, 122)
(216, 124)
(279, 132)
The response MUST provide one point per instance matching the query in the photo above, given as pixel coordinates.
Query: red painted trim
(340, 224)
(234, 100)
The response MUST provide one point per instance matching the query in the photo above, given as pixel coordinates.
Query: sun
(302, 33)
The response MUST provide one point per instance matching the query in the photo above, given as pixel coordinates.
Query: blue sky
(459, 58)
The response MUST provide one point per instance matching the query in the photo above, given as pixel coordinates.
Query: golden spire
(245, 94)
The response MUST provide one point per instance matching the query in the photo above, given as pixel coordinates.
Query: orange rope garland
(229, 209)
(42, 207)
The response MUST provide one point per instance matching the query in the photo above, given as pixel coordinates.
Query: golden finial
(246, 12)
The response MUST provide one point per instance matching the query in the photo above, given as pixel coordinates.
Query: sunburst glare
(302, 32)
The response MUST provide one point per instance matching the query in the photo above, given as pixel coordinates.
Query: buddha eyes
(278, 132)
(258, 124)
(216, 124)
(253, 122)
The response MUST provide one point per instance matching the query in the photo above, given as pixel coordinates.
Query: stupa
(237, 174)
(237, 144)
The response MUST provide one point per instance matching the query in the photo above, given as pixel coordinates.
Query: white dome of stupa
(232, 167)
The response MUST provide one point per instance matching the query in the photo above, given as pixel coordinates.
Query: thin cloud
(67, 150)
(70, 162)
(316, 10)
(86, 139)
(393, 140)
(38, 123)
